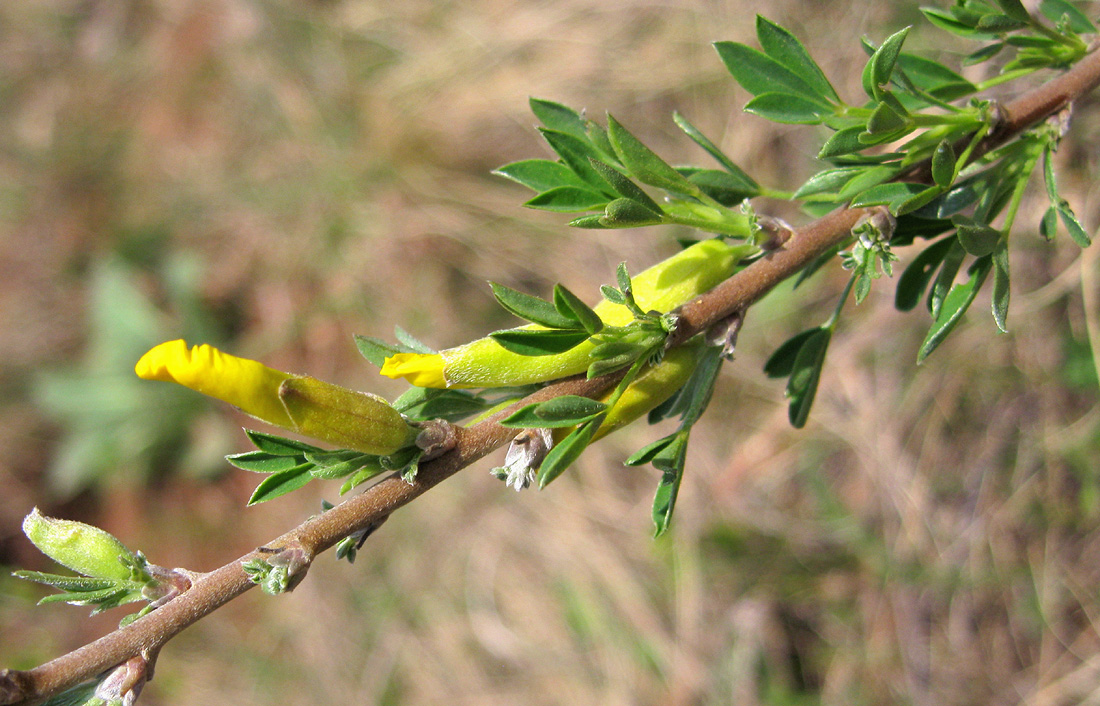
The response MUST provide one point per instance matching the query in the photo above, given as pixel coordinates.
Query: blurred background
(274, 176)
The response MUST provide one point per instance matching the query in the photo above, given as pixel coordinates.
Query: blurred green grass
(322, 169)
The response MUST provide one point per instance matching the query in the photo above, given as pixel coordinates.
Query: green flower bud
(85, 549)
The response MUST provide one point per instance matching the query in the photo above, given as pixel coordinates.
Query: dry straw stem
(211, 590)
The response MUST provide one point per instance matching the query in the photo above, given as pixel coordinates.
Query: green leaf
(1000, 286)
(1076, 230)
(916, 201)
(423, 403)
(591, 222)
(954, 306)
(533, 309)
(934, 78)
(713, 150)
(670, 460)
(648, 452)
(948, 22)
(375, 350)
(577, 152)
(624, 186)
(277, 445)
(559, 412)
(943, 164)
(539, 174)
(952, 261)
(827, 181)
(566, 451)
(535, 342)
(644, 164)
(262, 462)
(281, 483)
(410, 342)
(627, 213)
(1048, 226)
(567, 199)
(1000, 23)
(781, 363)
(978, 239)
(844, 141)
(895, 192)
(571, 307)
(914, 280)
(883, 60)
(759, 73)
(612, 294)
(1055, 10)
(984, 54)
(560, 118)
(885, 120)
(787, 108)
(779, 44)
(725, 188)
(1015, 10)
(805, 374)
(866, 179)
(339, 464)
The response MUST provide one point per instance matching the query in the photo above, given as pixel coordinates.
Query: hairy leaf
(954, 306)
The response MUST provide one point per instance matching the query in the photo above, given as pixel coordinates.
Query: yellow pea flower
(348, 418)
(485, 363)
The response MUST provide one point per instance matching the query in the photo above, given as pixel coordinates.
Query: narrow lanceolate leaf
(805, 374)
(572, 308)
(670, 461)
(914, 280)
(576, 152)
(281, 483)
(628, 213)
(842, 142)
(277, 445)
(1000, 286)
(648, 452)
(375, 350)
(1055, 10)
(1076, 230)
(725, 188)
(262, 462)
(1014, 9)
(827, 181)
(759, 73)
(565, 411)
(535, 343)
(943, 164)
(566, 451)
(954, 306)
(891, 194)
(568, 199)
(934, 78)
(945, 280)
(778, 43)
(883, 60)
(781, 363)
(978, 239)
(787, 108)
(643, 163)
(713, 150)
(561, 118)
(533, 309)
(624, 186)
(539, 174)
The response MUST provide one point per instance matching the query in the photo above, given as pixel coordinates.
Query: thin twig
(212, 590)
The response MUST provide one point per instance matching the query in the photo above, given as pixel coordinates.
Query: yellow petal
(247, 384)
(420, 369)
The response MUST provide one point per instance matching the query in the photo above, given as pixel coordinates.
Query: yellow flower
(348, 418)
(485, 363)
(654, 385)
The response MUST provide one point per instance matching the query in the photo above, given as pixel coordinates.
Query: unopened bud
(347, 418)
(85, 549)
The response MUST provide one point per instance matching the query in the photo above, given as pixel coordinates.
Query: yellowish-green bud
(83, 548)
(343, 417)
(485, 363)
(653, 386)
(346, 418)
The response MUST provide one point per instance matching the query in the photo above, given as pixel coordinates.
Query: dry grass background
(929, 538)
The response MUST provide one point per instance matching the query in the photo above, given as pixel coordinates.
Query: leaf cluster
(602, 170)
